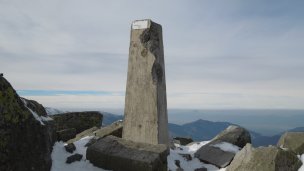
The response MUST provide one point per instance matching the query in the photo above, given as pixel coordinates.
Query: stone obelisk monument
(146, 118)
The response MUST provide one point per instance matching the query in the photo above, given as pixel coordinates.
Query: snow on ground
(191, 164)
(59, 156)
(225, 146)
(302, 159)
(36, 116)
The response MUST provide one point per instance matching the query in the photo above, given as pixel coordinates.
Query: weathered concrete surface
(264, 159)
(145, 118)
(293, 141)
(113, 153)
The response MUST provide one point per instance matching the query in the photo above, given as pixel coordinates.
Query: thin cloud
(252, 48)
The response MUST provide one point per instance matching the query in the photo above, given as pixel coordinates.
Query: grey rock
(264, 159)
(215, 156)
(70, 147)
(80, 121)
(186, 156)
(85, 133)
(25, 143)
(201, 169)
(177, 163)
(66, 134)
(73, 158)
(293, 141)
(114, 129)
(182, 140)
(113, 153)
(179, 169)
(91, 141)
(233, 134)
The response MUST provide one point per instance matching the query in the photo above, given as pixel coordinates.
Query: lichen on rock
(25, 144)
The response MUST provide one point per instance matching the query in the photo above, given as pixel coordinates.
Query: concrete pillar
(145, 118)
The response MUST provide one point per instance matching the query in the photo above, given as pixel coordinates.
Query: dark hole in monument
(157, 73)
(144, 52)
(145, 36)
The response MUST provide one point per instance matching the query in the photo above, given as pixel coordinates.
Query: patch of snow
(231, 127)
(225, 146)
(59, 156)
(140, 24)
(302, 159)
(191, 164)
(36, 116)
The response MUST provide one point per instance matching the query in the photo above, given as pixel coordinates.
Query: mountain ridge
(203, 130)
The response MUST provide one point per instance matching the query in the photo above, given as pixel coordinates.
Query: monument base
(113, 153)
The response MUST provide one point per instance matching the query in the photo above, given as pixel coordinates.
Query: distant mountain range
(201, 130)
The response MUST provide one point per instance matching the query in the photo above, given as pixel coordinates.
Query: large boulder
(113, 153)
(235, 135)
(293, 141)
(264, 159)
(78, 120)
(221, 150)
(26, 135)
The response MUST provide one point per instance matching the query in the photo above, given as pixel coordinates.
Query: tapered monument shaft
(145, 118)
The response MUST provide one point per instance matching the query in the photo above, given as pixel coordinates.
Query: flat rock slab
(113, 153)
(233, 135)
(85, 133)
(215, 156)
(114, 129)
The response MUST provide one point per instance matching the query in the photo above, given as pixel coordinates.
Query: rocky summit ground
(179, 155)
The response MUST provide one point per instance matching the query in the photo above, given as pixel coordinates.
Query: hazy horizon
(264, 121)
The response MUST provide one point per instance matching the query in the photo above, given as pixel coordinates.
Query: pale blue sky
(218, 54)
